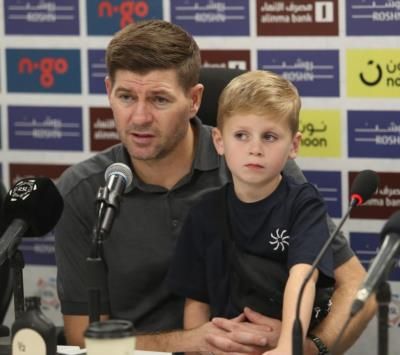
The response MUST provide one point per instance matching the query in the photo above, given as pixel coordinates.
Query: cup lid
(111, 328)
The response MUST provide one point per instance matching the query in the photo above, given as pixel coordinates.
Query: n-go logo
(46, 66)
(126, 9)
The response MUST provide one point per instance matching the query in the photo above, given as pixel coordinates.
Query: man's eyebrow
(121, 89)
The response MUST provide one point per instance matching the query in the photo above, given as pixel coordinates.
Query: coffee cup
(112, 336)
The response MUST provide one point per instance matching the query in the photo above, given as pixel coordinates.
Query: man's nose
(141, 114)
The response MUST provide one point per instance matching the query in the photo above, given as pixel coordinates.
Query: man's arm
(348, 277)
(196, 340)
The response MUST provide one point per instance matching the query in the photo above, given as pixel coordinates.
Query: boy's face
(256, 149)
(151, 112)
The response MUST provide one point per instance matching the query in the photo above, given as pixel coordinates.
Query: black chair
(214, 81)
(6, 283)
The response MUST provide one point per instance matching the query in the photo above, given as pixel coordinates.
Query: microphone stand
(97, 269)
(383, 297)
(297, 332)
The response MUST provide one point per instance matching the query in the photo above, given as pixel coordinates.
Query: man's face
(151, 111)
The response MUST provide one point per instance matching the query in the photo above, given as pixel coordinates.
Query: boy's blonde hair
(260, 92)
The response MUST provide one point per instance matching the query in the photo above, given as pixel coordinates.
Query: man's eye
(160, 100)
(124, 97)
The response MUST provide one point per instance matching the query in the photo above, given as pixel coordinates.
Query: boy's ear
(294, 149)
(218, 142)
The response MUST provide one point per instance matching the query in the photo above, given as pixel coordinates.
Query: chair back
(214, 81)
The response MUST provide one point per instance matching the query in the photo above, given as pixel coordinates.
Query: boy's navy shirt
(288, 226)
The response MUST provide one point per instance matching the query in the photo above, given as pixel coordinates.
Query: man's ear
(218, 141)
(107, 81)
(294, 149)
(196, 93)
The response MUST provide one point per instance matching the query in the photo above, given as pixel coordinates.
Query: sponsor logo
(366, 247)
(208, 17)
(102, 129)
(39, 70)
(320, 133)
(373, 73)
(297, 18)
(40, 17)
(97, 71)
(314, 72)
(374, 134)
(105, 17)
(226, 59)
(329, 185)
(45, 128)
(384, 202)
(370, 17)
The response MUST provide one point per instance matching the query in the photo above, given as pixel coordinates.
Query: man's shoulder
(210, 203)
(90, 170)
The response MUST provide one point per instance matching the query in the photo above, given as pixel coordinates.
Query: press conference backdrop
(343, 56)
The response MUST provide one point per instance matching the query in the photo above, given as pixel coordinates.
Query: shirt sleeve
(73, 235)
(309, 231)
(187, 273)
(340, 246)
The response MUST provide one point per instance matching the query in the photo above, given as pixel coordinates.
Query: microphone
(32, 207)
(363, 187)
(382, 264)
(118, 178)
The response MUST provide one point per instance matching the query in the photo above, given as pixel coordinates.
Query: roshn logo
(373, 73)
(22, 190)
(126, 9)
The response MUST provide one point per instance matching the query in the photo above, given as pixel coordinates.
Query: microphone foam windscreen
(365, 184)
(392, 225)
(37, 202)
(122, 170)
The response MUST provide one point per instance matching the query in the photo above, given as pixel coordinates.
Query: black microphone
(382, 264)
(363, 187)
(118, 178)
(32, 208)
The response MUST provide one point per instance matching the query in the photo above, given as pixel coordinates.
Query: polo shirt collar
(205, 159)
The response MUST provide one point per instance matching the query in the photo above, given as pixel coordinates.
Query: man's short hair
(151, 45)
(260, 92)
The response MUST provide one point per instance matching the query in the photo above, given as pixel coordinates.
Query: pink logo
(46, 66)
(126, 9)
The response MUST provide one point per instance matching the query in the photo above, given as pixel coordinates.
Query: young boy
(269, 215)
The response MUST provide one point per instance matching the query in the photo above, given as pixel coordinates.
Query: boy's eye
(269, 137)
(241, 136)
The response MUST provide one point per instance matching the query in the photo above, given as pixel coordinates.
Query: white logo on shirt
(279, 240)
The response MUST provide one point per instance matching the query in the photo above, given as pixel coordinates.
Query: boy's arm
(297, 274)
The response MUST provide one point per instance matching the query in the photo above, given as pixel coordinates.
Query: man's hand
(251, 332)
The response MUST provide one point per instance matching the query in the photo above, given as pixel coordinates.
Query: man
(153, 90)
